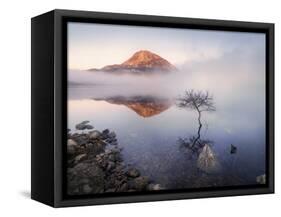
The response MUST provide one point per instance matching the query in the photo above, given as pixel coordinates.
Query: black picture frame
(49, 108)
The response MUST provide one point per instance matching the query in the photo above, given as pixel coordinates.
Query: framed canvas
(131, 108)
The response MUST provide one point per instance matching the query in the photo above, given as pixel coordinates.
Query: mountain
(145, 106)
(142, 61)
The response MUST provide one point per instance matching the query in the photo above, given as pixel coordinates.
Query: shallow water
(149, 131)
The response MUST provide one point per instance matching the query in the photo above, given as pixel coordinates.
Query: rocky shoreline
(95, 165)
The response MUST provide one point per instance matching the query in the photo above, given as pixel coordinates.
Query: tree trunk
(199, 129)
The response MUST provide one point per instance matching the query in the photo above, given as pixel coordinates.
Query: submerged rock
(233, 149)
(133, 173)
(261, 179)
(207, 160)
(155, 187)
(140, 183)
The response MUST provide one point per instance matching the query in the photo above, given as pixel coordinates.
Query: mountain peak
(141, 62)
(144, 55)
(147, 59)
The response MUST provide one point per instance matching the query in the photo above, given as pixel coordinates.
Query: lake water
(148, 124)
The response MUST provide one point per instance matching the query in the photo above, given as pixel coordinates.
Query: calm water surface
(148, 132)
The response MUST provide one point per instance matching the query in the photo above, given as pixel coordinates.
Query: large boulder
(207, 160)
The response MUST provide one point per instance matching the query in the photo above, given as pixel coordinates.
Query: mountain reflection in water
(145, 106)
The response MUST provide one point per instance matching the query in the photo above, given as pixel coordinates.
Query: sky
(96, 45)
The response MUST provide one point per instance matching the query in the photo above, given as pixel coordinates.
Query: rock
(87, 189)
(85, 181)
(71, 150)
(114, 155)
(94, 149)
(113, 139)
(261, 179)
(154, 187)
(81, 140)
(95, 134)
(89, 127)
(110, 166)
(207, 160)
(101, 143)
(93, 168)
(110, 190)
(112, 142)
(123, 188)
(71, 146)
(79, 158)
(115, 150)
(84, 126)
(112, 134)
(105, 132)
(71, 142)
(83, 171)
(233, 149)
(133, 173)
(111, 157)
(107, 139)
(119, 169)
(141, 183)
(80, 126)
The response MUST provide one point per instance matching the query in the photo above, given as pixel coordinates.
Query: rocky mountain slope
(142, 61)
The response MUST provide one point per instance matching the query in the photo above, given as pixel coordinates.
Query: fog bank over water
(236, 80)
(235, 69)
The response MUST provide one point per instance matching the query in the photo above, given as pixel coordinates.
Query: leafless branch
(200, 101)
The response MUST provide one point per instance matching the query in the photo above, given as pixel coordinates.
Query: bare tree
(199, 101)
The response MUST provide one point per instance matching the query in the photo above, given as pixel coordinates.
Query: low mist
(233, 78)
